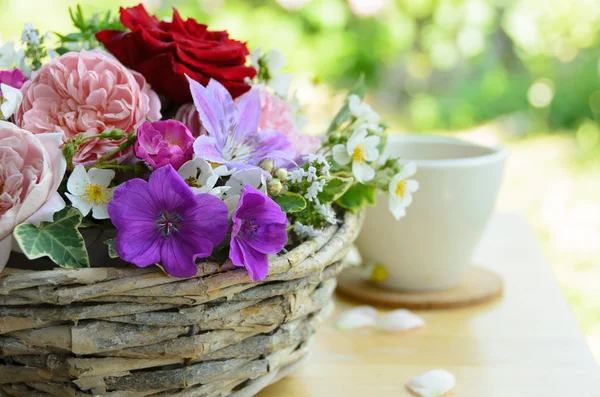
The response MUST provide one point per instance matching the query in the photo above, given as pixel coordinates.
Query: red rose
(164, 52)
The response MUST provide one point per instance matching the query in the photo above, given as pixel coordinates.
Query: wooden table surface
(523, 345)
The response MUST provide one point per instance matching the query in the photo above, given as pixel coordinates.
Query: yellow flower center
(401, 188)
(192, 181)
(359, 154)
(96, 194)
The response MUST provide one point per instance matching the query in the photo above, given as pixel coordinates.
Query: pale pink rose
(189, 116)
(86, 93)
(31, 169)
(277, 114)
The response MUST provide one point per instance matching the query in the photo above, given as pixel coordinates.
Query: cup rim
(497, 153)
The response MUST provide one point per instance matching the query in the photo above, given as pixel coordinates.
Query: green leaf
(59, 240)
(112, 249)
(358, 196)
(334, 189)
(359, 88)
(290, 202)
(61, 50)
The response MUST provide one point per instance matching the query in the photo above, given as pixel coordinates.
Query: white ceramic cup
(431, 247)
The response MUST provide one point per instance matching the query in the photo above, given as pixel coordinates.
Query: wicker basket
(136, 332)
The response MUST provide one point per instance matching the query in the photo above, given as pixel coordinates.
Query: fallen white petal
(400, 320)
(434, 383)
(362, 316)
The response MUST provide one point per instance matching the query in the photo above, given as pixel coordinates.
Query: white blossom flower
(327, 212)
(11, 100)
(316, 158)
(362, 111)
(311, 174)
(202, 178)
(30, 35)
(89, 191)
(254, 176)
(273, 61)
(359, 149)
(400, 190)
(297, 175)
(11, 58)
(306, 230)
(319, 160)
(313, 191)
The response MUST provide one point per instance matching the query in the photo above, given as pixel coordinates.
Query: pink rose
(31, 169)
(86, 93)
(164, 142)
(189, 116)
(277, 114)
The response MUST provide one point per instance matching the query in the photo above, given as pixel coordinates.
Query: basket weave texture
(130, 332)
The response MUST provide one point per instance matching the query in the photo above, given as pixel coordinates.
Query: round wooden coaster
(479, 285)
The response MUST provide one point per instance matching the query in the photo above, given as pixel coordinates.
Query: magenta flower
(233, 136)
(164, 142)
(259, 228)
(164, 221)
(13, 78)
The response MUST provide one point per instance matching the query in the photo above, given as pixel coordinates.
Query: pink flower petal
(434, 383)
(362, 316)
(400, 320)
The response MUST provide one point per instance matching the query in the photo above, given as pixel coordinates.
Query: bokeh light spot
(541, 93)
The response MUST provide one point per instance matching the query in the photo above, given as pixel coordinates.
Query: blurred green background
(525, 73)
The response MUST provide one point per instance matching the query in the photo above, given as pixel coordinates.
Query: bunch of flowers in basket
(178, 137)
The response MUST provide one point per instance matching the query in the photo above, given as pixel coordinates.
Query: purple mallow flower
(163, 221)
(13, 78)
(164, 142)
(259, 228)
(233, 137)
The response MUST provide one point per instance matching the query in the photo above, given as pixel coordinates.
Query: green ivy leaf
(112, 249)
(334, 189)
(59, 240)
(357, 197)
(290, 202)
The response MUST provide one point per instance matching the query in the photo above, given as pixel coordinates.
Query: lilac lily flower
(233, 137)
(164, 221)
(259, 228)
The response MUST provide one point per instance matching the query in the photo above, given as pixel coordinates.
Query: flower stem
(124, 145)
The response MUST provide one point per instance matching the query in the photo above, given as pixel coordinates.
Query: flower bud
(116, 134)
(267, 165)
(334, 136)
(274, 187)
(281, 174)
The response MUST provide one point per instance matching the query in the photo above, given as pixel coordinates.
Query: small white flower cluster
(327, 212)
(313, 190)
(317, 166)
(320, 161)
(30, 35)
(309, 181)
(306, 230)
